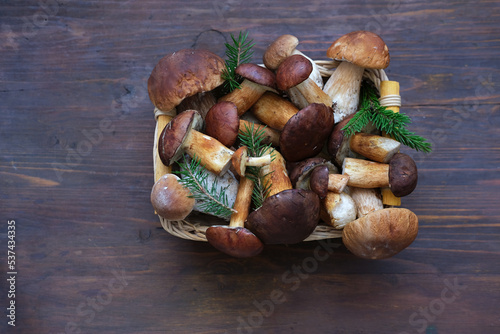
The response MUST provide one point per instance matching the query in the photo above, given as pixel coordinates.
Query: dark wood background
(91, 255)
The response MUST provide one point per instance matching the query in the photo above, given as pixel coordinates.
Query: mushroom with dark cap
(170, 199)
(400, 175)
(294, 72)
(283, 47)
(356, 50)
(287, 215)
(181, 135)
(305, 133)
(257, 80)
(222, 123)
(234, 239)
(381, 234)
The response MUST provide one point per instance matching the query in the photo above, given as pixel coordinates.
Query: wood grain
(76, 171)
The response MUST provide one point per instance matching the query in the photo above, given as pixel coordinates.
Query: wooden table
(76, 173)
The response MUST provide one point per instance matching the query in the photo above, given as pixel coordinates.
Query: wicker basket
(196, 230)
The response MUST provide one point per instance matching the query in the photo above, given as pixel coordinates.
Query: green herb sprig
(209, 198)
(239, 52)
(393, 124)
(253, 140)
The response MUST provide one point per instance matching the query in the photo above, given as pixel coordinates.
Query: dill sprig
(253, 140)
(239, 52)
(209, 198)
(393, 124)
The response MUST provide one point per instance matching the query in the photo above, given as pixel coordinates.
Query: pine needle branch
(252, 139)
(393, 124)
(209, 198)
(239, 52)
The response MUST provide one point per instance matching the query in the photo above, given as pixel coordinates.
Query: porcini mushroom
(373, 147)
(170, 199)
(294, 72)
(234, 239)
(400, 175)
(366, 199)
(381, 234)
(257, 80)
(183, 75)
(280, 49)
(273, 110)
(356, 50)
(287, 215)
(241, 160)
(338, 210)
(305, 133)
(222, 123)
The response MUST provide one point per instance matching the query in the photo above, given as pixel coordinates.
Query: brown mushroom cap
(318, 181)
(182, 74)
(361, 48)
(305, 133)
(292, 71)
(222, 122)
(258, 74)
(174, 134)
(403, 175)
(381, 234)
(234, 241)
(279, 50)
(302, 169)
(239, 159)
(288, 217)
(170, 199)
(338, 142)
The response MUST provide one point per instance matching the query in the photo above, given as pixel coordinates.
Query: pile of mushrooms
(317, 174)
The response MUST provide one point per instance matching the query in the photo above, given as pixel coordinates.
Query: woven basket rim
(185, 229)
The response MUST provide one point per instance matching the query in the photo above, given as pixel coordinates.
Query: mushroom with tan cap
(283, 47)
(357, 51)
(257, 80)
(182, 135)
(234, 239)
(294, 72)
(287, 215)
(400, 175)
(170, 199)
(381, 234)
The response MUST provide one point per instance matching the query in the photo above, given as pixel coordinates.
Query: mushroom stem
(273, 110)
(338, 210)
(270, 136)
(343, 87)
(259, 161)
(160, 168)
(242, 203)
(373, 147)
(312, 93)
(366, 174)
(275, 174)
(244, 97)
(367, 200)
(213, 155)
(337, 182)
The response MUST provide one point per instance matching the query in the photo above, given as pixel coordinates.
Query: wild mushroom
(356, 50)
(373, 147)
(318, 175)
(222, 123)
(400, 175)
(366, 199)
(257, 80)
(294, 72)
(241, 160)
(234, 239)
(273, 110)
(287, 215)
(185, 75)
(305, 133)
(381, 234)
(171, 199)
(338, 210)
(181, 135)
(283, 47)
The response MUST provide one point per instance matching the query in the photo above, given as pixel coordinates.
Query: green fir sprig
(393, 124)
(209, 197)
(239, 52)
(253, 140)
